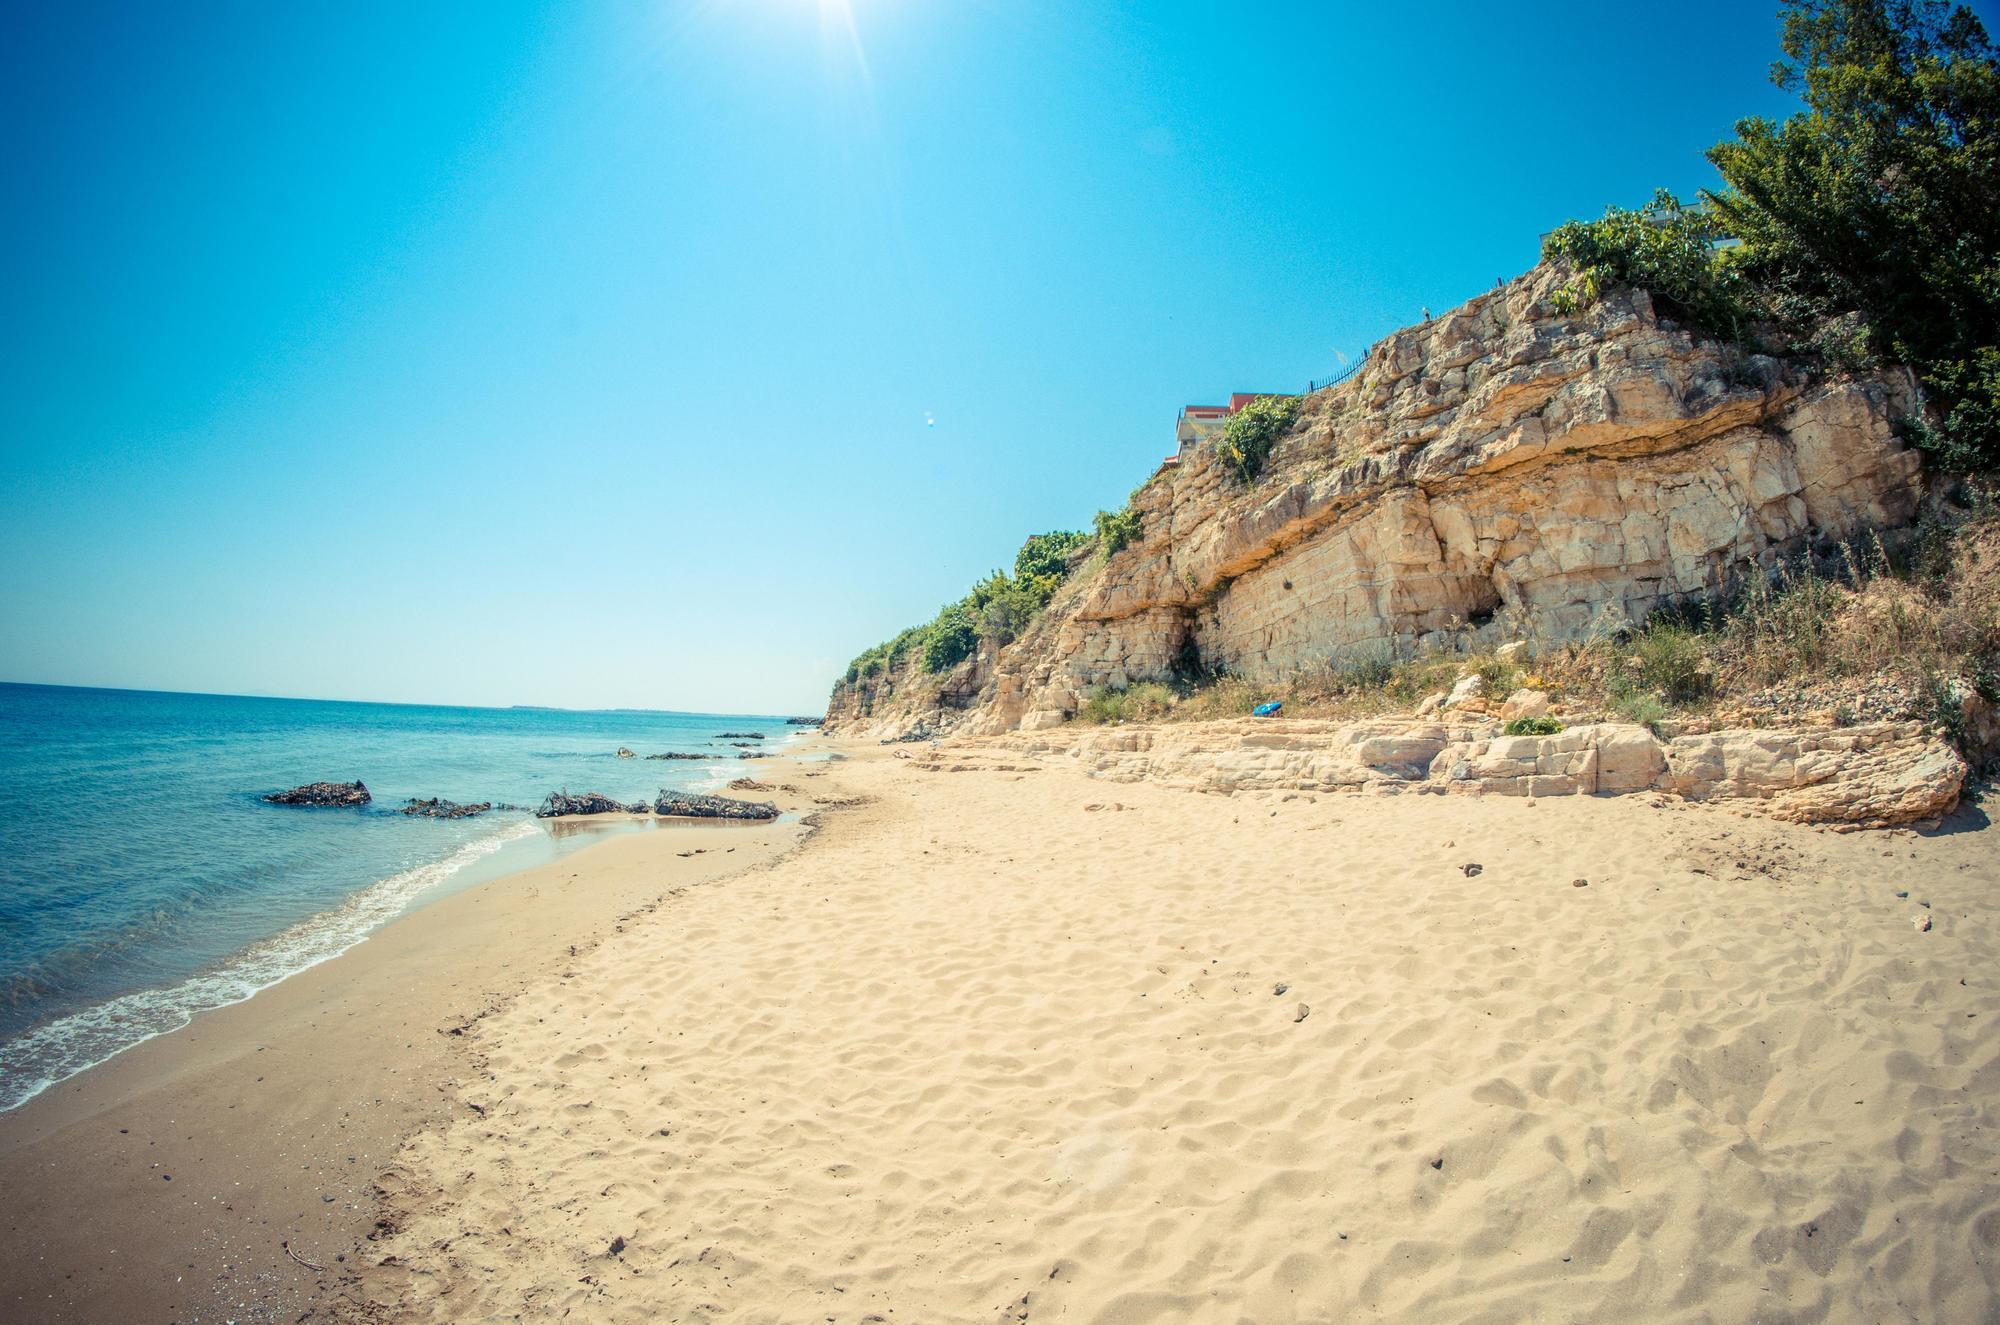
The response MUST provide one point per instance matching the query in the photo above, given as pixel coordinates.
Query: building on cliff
(1198, 423)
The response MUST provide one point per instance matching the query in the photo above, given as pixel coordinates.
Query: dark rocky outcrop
(804, 722)
(623, 753)
(436, 808)
(694, 805)
(675, 754)
(748, 736)
(588, 802)
(323, 793)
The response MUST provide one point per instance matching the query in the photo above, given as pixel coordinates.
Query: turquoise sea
(143, 880)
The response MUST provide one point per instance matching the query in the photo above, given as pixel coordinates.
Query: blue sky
(584, 354)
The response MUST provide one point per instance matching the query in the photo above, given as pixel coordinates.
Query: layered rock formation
(1501, 472)
(1868, 776)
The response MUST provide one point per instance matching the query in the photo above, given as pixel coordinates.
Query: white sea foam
(31, 1063)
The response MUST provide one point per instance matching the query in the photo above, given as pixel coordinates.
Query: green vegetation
(1117, 528)
(1665, 658)
(999, 608)
(1251, 432)
(1139, 703)
(1533, 727)
(1666, 248)
(1869, 222)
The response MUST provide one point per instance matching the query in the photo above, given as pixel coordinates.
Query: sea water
(143, 879)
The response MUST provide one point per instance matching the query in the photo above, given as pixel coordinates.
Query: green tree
(1882, 197)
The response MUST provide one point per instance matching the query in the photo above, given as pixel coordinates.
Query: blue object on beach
(1266, 709)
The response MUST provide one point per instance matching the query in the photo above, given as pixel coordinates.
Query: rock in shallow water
(586, 802)
(689, 804)
(436, 808)
(323, 793)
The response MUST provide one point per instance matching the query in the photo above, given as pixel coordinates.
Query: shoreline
(183, 1177)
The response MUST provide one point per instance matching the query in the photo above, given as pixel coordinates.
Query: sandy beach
(1000, 1042)
(199, 1176)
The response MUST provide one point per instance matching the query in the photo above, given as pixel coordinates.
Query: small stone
(1306, 1011)
(1279, 989)
(617, 1245)
(1902, 892)
(1471, 868)
(1922, 923)
(327, 1199)
(1438, 1163)
(1579, 883)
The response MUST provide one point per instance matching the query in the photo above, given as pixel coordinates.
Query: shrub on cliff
(1116, 529)
(1666, 248)
(950, 639)
(998, 608)
(1045, 558)
(1251, 432)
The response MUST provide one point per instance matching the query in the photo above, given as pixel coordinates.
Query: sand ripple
(983, 1054)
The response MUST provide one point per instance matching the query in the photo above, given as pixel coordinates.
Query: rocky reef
(1502, 472)
(339, 794)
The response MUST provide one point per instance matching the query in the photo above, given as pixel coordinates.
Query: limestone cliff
(1500, 472)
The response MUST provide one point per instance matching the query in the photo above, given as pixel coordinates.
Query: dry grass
(1915, 622)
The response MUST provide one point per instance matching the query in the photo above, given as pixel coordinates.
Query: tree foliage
(1869, 221)
(1882, 197)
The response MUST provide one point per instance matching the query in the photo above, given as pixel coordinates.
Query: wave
(38, 1059)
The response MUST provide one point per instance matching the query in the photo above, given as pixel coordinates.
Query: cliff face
(1501, 472)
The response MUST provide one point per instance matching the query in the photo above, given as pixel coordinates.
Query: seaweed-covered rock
(588, 802)
(695, 805)
(436, 808)
(748, 736)
(323, 793)
(675, 754)
(623, 753)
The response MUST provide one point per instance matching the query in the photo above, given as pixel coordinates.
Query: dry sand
(1003, 1045)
